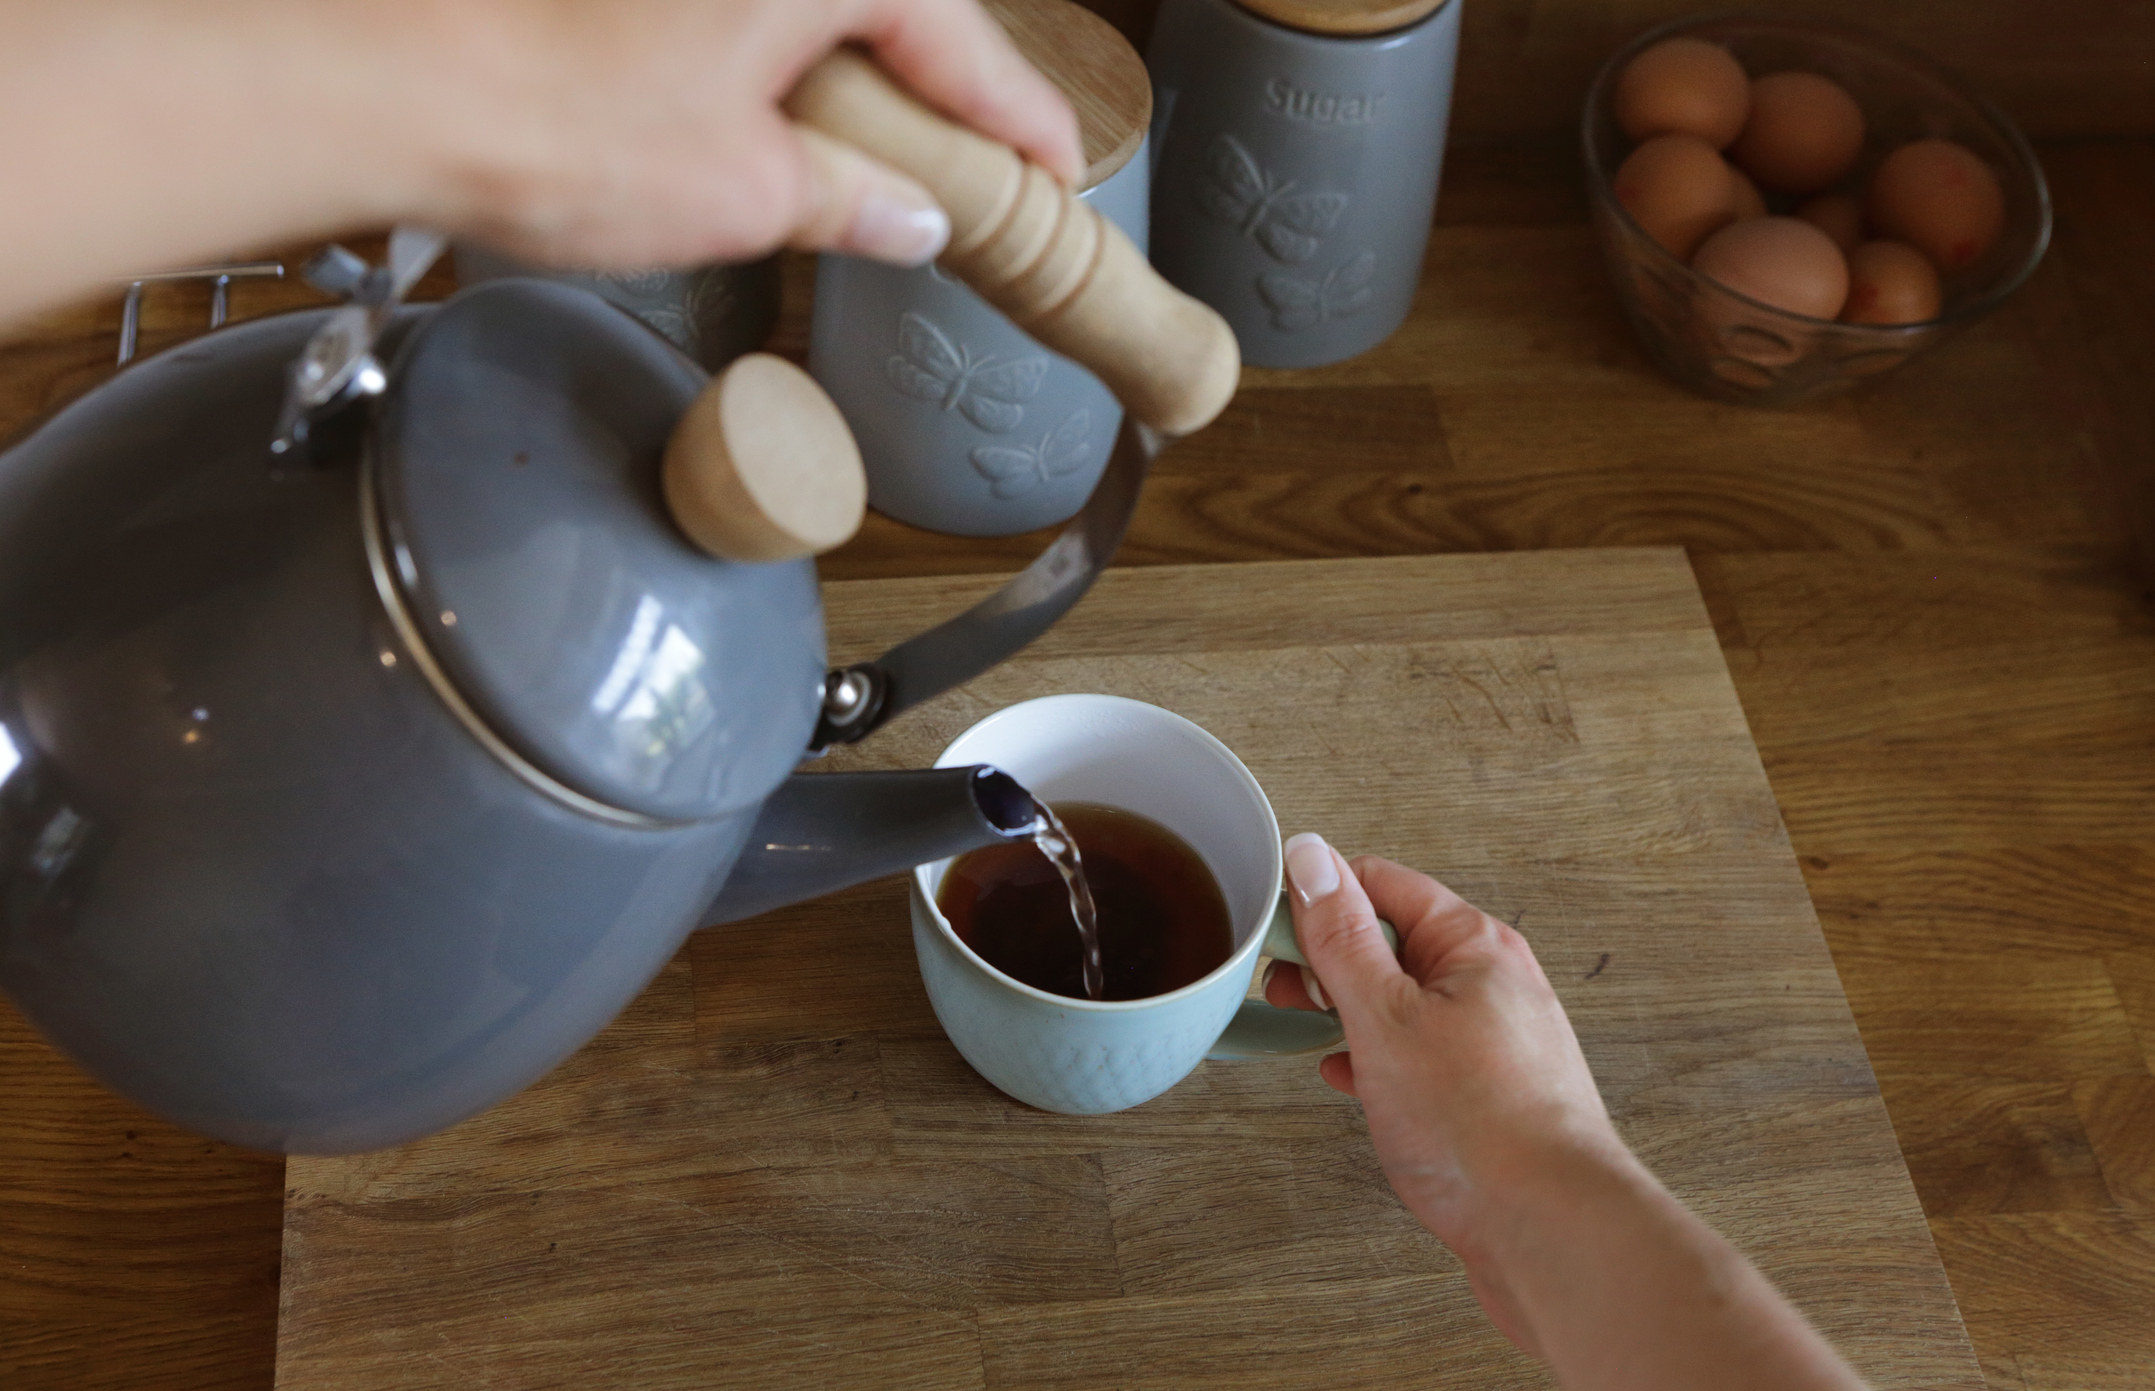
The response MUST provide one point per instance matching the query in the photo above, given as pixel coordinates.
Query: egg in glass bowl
(1789, 207)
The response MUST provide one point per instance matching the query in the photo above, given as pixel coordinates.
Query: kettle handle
(1030, 247)
(1071, 279)
(860, 699)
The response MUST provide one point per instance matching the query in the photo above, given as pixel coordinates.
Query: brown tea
(1162, 920)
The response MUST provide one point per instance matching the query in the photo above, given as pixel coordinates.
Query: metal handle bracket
(858, 700)
(338, 365)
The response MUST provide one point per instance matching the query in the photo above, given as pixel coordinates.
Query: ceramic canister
(966, 424)
(1297, 145)
(713, 313)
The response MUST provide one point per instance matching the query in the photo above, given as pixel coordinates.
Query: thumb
(1335, 924)
(856, 205)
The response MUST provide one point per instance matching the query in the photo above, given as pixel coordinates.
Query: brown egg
(1839, 216)
(1940, 198)
(1891, 282)
(1749, 202)
(1804, 132)
(1683, 87)
(1678, 190)
(1779, 261)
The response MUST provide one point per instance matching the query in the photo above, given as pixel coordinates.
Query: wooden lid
(1096, 68)
(1348, 17)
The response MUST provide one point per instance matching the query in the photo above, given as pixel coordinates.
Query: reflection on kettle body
(48, 847)
(635, 648)
(654, 689)
(58, 843)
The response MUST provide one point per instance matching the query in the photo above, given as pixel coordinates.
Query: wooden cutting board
(774, 1172)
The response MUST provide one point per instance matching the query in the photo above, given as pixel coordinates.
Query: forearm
(1625, 1290)
(148, 133)
(613, 133)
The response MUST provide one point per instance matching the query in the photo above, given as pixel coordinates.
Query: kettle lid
(515, 463)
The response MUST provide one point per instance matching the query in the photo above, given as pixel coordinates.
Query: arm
(146, 133)
(1490, 1129)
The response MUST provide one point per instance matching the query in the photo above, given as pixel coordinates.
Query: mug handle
(1261, 1030)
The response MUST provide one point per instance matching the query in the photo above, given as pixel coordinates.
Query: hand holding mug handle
(1261, 1030)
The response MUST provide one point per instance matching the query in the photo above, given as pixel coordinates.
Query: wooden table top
(774, 1170)
(1916, 586)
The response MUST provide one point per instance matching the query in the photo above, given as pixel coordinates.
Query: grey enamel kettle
(343, 795)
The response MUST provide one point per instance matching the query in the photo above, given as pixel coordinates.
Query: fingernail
(1310, 867)
(904, 234)
(1316, 991)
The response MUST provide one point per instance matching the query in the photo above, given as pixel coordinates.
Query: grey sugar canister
(967, 425)
(1296, 151)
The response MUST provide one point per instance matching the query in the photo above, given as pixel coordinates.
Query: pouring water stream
(1055, 841)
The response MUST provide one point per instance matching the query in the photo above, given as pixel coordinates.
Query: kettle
(345, 790)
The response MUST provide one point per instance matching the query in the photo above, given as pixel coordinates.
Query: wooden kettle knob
(1023, 242)
(762, 467)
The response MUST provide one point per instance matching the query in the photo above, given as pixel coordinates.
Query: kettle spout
(822, 832)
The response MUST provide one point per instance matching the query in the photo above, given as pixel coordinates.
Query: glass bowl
(1724, 344)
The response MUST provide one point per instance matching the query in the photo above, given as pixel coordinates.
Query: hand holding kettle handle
(1064, 274)
(1028, 246)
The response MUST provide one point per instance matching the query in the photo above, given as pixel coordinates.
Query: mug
(1088, 1057)
(966, 424)
(713, 313)
(1295, 173)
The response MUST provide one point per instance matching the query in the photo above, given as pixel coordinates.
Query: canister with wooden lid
(966, 424)
(1297, 150)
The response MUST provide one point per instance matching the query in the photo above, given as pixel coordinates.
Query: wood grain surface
(1094, 66)
(776, 1172)
(1925, 598)
(1346, 17)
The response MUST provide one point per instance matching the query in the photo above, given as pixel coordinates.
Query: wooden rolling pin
(1024, 243)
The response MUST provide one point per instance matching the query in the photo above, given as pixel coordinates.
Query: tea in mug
(1163, 922)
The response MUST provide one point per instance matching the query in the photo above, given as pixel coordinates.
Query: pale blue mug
(1088, 1057)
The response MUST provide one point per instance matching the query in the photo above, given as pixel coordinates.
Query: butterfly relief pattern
(1016, 472)
(989, 391)
(1287, 223)
(645, 283)
(1298, 303)
(701, 304)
